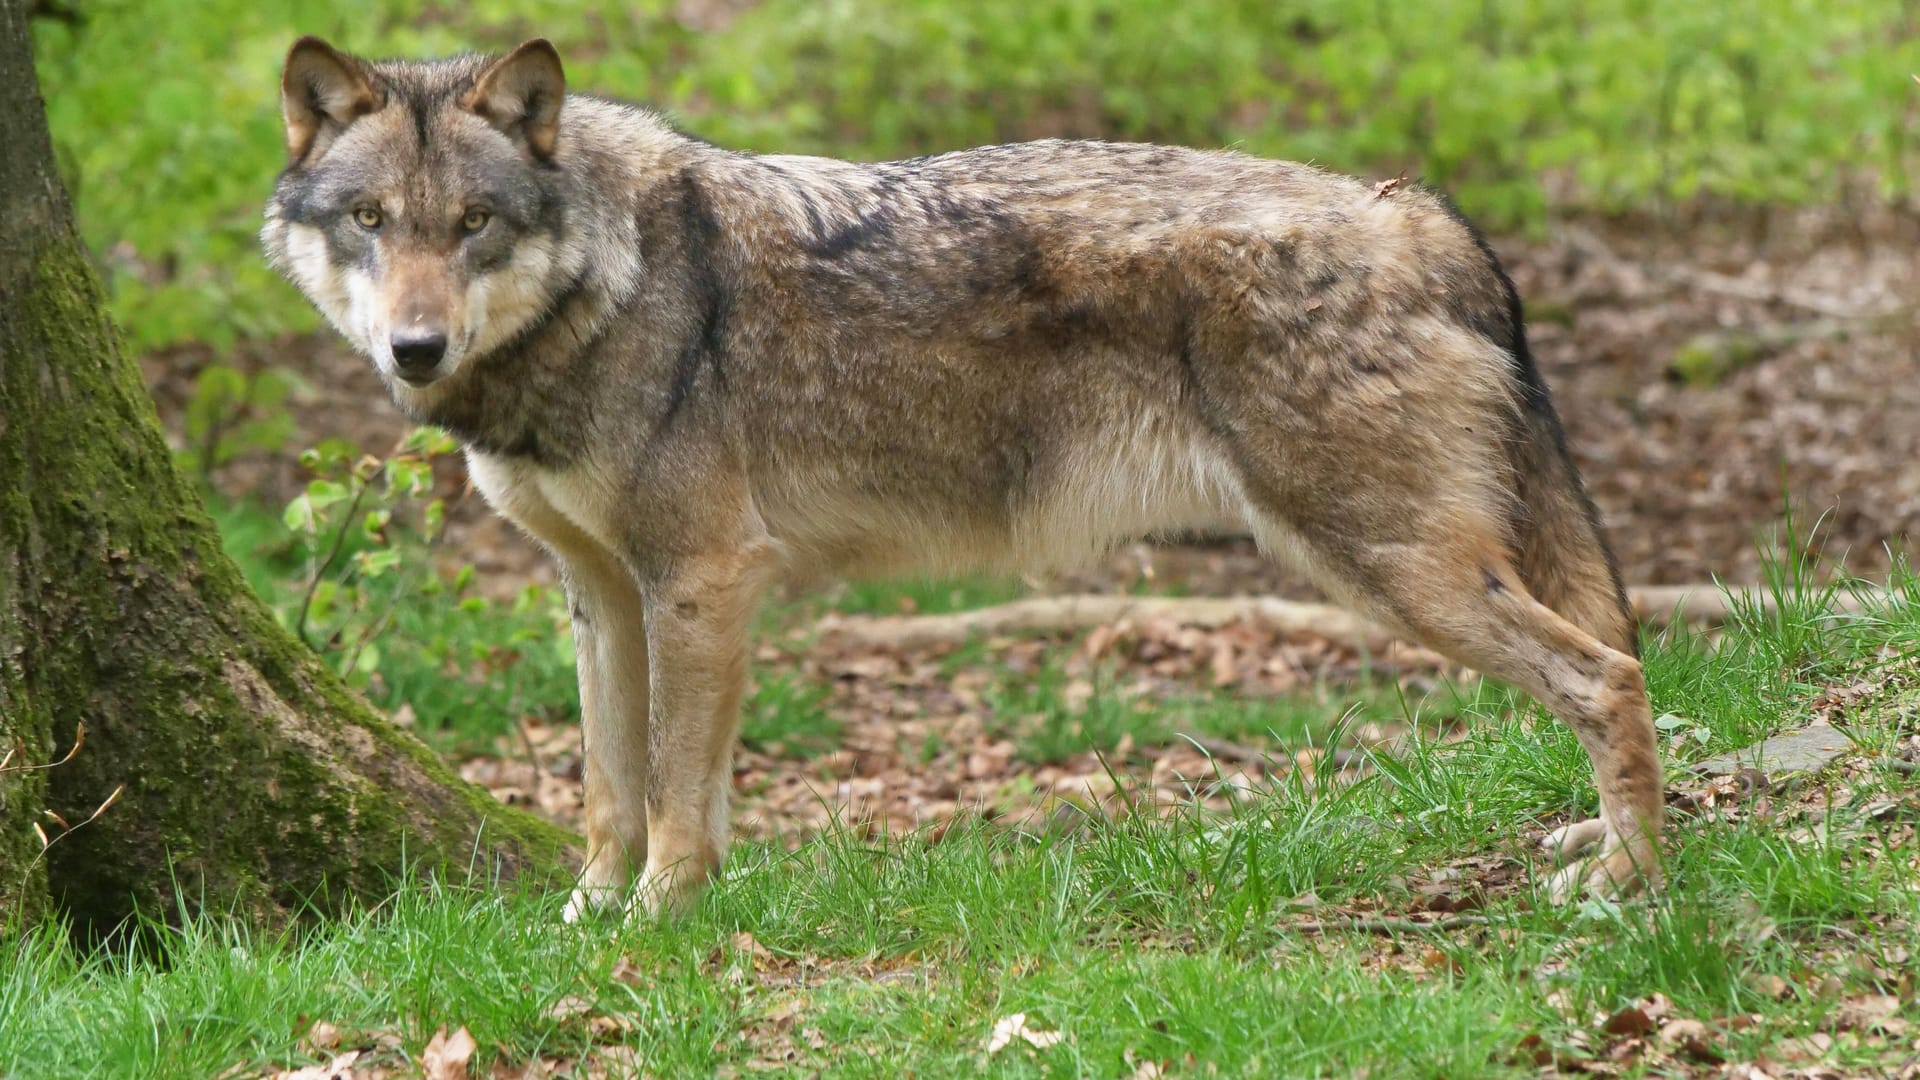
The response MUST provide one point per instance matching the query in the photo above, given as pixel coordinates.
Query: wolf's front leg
(698, 617)
(609, 637)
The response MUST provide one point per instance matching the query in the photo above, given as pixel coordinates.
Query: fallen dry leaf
(1145, 1068)
(744, 942)
(568, 1008)
(1531, 1050)
(1631, 1022)
(323, 1036)
(446, 1056)
(1690, 1039)
(1009, 1028)
(1870, 1012)
(607, 1028)
(340, 1068)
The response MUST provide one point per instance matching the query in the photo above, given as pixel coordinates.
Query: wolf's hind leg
(610, 641)
(698, 618)
(1457, 590)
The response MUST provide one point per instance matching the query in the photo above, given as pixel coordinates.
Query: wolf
(689, 372)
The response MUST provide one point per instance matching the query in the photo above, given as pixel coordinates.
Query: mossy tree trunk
(254, 782)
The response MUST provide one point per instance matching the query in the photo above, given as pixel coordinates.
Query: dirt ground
(1806, 311)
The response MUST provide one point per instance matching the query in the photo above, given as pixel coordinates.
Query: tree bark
(253, 781)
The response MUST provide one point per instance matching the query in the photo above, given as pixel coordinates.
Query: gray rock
(1808, 750)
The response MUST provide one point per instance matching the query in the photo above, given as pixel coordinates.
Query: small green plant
(355, 545)
(1682, 734)
(369, 596)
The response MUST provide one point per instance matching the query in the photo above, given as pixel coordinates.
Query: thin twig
(526, 740)
(1227, 748)
(1389, 926)
(1341, 757)
(47, 844)
(1591, 244)
(79, 739)
(320, 572)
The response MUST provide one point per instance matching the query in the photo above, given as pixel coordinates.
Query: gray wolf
(689, 371)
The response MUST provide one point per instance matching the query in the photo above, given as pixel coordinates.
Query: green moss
(1708, 360)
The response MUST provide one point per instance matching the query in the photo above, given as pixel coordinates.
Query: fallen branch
(1590, 244)
(1664, 604)
(1055, 614)
(1658, 604)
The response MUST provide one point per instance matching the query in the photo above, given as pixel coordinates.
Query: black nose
(417, 352)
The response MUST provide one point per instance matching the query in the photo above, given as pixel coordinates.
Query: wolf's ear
(322, 90)
(521, 93)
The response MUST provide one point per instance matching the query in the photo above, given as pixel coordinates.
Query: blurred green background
(166, 120)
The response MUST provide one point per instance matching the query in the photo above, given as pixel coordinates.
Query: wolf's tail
(1555, 534)
(1558, 547)
(1555, 531)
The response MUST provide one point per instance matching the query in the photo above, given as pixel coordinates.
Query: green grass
(1048, 723)
(786, 716)
(170, 141)
(1156, 940)
(1143, 938)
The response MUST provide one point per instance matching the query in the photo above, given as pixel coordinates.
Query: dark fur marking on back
(866, 230)
(1509, 329)
(705, 348)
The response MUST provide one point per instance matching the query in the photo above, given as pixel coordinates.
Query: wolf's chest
(565, 509)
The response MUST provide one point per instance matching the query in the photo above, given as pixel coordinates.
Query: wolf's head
(421, 205)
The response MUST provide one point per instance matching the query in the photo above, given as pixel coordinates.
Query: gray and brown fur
(690, 372)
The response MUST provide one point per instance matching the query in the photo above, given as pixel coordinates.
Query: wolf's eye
(367, 217)
(475, 221)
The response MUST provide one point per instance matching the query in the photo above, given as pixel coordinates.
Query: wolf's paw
(1616, 870)
(588, 901)
(1569, 842)
(665, 894)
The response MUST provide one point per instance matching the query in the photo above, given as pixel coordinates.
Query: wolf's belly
(1106, 485)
